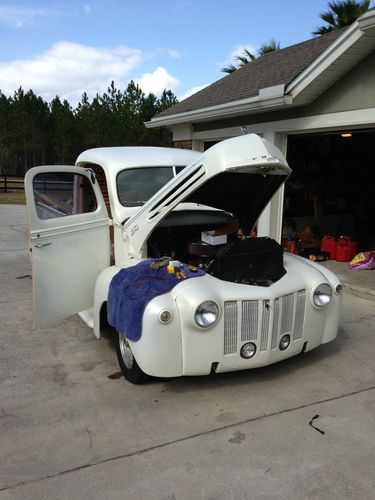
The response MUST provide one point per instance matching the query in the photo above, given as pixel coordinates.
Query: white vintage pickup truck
(250, 305)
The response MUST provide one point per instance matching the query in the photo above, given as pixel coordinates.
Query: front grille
(263, 321)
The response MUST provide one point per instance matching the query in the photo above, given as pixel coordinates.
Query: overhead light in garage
(346, 134)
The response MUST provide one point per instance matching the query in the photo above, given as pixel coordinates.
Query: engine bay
(251, 260)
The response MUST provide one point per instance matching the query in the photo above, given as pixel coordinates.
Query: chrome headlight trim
(248, 350)
(284, 342)
(206, 314)
(165, 316)
(322, 295)
(339, 288)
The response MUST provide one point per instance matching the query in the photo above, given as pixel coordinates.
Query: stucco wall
(356, 90)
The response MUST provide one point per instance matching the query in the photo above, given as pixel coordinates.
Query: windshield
(137, 185)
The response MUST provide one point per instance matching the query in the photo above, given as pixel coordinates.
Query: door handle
(42, 245)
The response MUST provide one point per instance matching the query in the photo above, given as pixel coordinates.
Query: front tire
(128, 364)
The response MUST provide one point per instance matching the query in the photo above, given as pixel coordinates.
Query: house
(316, 102)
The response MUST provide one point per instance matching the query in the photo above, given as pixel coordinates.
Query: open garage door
(332, 186)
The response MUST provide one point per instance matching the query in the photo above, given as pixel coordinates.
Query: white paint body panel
(114, 160)
(77, 250)
(182, 348)
(73, 273)
(248, 154)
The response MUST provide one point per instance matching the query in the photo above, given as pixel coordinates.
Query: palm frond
(271, 46)
(340, 14)
(229, 69)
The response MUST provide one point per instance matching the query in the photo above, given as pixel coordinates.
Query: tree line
(36, 132)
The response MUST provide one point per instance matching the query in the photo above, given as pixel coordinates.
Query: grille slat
(249, 326)
(266, 312)
(275, 327)
(300, 315)
(287, 314)
(230, 327)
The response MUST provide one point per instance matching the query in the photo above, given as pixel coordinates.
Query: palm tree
(243, 59)
(341, 14)
(247, 56)
(229, 69)
(266, 48)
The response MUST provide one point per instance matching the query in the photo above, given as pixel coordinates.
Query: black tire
(129, 366)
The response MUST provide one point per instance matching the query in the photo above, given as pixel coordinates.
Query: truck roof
(115, 159)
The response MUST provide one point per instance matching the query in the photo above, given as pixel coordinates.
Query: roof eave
(325, 59)
(255, 104)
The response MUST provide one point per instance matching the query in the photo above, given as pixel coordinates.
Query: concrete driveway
(70, 428)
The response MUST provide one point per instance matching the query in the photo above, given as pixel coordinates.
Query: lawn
(15, 194)
(12, 198)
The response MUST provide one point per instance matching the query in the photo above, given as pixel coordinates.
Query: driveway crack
(186, 438)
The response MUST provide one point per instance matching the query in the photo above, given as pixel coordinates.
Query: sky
(67, 47)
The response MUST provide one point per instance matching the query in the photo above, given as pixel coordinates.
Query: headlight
(206, 314)
(284, 342)
(248, 350)
(322, 295)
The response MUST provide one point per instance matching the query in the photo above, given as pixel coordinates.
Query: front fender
(159, 350)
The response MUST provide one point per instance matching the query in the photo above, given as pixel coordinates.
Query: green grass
(12, 198)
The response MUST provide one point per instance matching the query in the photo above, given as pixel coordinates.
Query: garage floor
(361, 283)
(71, 428)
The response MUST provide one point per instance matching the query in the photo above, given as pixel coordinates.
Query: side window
(59, 194)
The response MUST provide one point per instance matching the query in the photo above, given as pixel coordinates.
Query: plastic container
(329, 244)
(345, 249)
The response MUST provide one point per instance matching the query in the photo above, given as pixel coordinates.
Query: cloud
(192, 91)
(157, 81)
(237, 50)
(20, 15)
(87, 10)
(68, 69)
(172, 53)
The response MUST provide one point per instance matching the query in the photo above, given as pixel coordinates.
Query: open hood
(239, 175)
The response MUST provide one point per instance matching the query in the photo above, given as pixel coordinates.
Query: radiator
(263, 322)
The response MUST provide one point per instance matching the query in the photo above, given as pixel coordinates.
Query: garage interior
(332, 186)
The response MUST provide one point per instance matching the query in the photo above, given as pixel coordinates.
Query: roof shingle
(276, 68)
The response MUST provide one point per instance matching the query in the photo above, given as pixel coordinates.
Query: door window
(59, 194)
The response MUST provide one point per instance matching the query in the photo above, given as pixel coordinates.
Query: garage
(316, 102)
(332, 185)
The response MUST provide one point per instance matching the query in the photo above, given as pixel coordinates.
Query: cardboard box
(210, 238)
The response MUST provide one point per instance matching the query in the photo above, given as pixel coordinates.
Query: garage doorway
(332, 186)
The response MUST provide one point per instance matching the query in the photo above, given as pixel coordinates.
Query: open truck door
(69, 239)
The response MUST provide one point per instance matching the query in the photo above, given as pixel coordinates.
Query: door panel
(69, 239)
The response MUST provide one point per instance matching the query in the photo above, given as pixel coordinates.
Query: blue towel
(132, 288)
